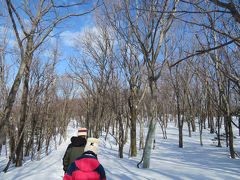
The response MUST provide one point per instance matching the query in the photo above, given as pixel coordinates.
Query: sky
(67, 31)
(74, 29)
(64, 34)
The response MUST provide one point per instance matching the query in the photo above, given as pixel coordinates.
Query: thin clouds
(72, 39)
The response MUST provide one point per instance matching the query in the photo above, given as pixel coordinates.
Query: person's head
(92, 145)
(82, 132)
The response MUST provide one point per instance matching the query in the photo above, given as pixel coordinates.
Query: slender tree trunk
(39, 148)
(165, 123)
(23, 116)
(31, 138)
(239, 125)
(200, 129)
(180, 124)
(133, 120)
(148, 143)
(40, 140)
(121, 136)
(226, 130)
(6, 150)
(211, 123)
(218, 132)
(151, 128)
(3, 140)
(55, 141)
(26, 58)
(0, 149)
(113, 128)
(231, 146)
(12, 95)
(189, 129)
(12, 147)
(126, 130)
(107, 129)
(141, 142)
(180, 130)
(193, 125)
(47, 145)
(162, 124)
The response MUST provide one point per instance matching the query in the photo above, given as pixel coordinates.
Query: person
(86, 166)
(75, 148)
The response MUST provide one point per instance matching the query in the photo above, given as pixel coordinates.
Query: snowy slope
(167, 162)
(170, 162)
(50, 166)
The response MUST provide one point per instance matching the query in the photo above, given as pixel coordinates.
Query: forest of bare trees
(143, 63)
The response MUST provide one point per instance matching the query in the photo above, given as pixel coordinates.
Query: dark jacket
(86, 167)
(74, 150)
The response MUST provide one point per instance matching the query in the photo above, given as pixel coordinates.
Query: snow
(167, 161)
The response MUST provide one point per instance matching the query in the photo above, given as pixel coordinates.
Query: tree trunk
(239, 125)
(226, 130)
(40, 140)
(31, 138)
(26, 58)
(180, 131)
(211, 123)
(193, 125)
(39, 148)
(200, 129)
(47, 145)
(23, 116)
(218, 132)
(12, 146)
(165, 123)
(113, 128)
(189, 129)
(107, 129)
(141, 142)
(133, 120)
(152, 125)
(12, 95)
(121, 136)
(148, 143)
(180, 123)
(230, 131)
(3, 140)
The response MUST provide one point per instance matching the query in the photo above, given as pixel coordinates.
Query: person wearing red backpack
(87, 166)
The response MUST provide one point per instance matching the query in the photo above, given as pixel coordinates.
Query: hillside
(167, 160)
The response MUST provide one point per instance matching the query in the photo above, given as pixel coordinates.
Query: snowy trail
(170, 162)
(167, 161)
(49, 167)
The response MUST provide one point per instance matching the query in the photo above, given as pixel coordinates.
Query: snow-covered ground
(167, 160)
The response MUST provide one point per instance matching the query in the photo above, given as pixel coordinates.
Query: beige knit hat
(92, 145)
(82, 132)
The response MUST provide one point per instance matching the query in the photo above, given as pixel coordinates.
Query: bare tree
(227, 27)
(150, 29)
(34, 34)
(97, 54)
(30, 36)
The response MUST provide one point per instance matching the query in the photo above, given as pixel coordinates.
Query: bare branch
(14, 26)
(184, 11)
(9, 3)
(231, 7)
(198, 52)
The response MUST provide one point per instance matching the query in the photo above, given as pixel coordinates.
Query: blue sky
(69, 31)
(64, 33)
